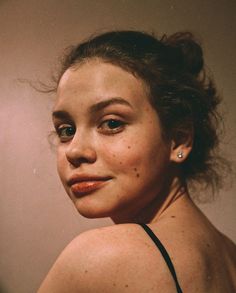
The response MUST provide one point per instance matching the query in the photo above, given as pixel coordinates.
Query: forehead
(97, 80)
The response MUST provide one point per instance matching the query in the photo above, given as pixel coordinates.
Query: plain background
(37, 218)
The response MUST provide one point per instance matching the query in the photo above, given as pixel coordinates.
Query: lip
(85, 184)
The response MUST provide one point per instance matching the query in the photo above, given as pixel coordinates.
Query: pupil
(113, 124)
(69, 131)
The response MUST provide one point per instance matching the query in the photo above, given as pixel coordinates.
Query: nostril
(77, 162)
(77, 157)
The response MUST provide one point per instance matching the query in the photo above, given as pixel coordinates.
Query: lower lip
(86, 187)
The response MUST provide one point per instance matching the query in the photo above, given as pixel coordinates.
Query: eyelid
(105, 129)
(112, 116)
(64, 127)
(61, 124)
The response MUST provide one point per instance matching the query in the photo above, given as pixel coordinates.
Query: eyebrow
(61, 115)
(103, 104)
(94, 108)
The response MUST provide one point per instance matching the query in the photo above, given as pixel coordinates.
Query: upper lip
(85, 177)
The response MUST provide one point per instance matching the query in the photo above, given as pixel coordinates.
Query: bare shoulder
(109, 259)
(204, 259)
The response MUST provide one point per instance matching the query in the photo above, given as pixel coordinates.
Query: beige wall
(37, 218)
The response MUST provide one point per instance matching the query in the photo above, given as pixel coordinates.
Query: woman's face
(111, 157)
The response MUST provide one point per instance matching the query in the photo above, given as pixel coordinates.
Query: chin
(90, 214)
(92, 210)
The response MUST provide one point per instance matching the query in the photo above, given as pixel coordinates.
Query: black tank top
(164, 254)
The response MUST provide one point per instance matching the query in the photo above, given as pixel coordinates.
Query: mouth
(83, 185)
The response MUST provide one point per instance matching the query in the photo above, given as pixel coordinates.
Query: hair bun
(190, 50)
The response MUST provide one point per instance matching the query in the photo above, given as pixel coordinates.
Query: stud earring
(180, 155)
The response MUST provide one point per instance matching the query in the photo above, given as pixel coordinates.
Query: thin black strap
(164, 254)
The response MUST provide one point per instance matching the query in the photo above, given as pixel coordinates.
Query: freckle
(114, 284)
(208, 277)
(137, 175)
(208, 245)
(129, 147)
(126, 286)
(120, 163)
(113, 155)
(172, 216)
(85, 271)
(135, 169)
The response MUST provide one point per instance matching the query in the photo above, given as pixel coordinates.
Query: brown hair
(184, 97)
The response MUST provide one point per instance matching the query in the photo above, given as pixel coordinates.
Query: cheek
(61, 162)
(133, 155)
(120, 152)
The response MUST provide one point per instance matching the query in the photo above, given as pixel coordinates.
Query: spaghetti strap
(164, 254)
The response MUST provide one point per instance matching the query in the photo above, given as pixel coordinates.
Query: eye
(65, 132)
(111, 126)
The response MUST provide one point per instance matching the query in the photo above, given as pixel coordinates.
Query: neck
(160, 205)
(177, 191)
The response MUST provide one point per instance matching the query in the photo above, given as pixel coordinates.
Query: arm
(76, 268)
(112, 259)
(88, 264)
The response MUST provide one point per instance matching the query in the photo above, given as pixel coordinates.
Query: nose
(81, 150)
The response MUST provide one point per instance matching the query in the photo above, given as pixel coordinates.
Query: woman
(136, 121)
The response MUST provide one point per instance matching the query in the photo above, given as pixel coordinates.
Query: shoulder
(108, 259)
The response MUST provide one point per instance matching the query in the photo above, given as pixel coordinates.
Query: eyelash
(65, 138)
(110, 130)
(107, 127)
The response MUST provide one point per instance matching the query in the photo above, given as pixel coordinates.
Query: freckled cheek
(124, 156)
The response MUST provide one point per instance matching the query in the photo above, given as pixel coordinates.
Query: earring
(180, 155)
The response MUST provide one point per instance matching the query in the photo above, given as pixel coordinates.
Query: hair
(184, 97)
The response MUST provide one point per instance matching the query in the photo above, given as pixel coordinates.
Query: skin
(109, 129)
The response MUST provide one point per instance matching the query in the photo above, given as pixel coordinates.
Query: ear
(181, 146)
